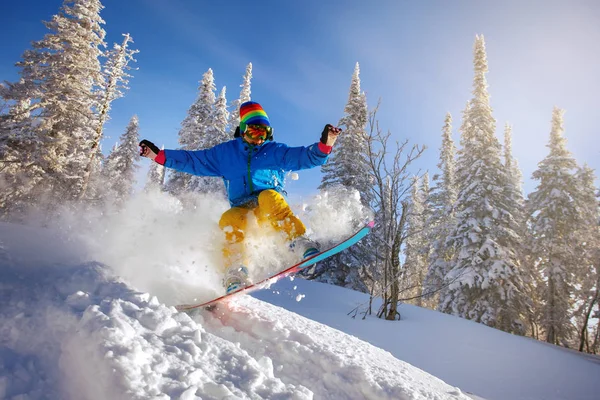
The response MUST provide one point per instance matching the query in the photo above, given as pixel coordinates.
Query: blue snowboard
(343, 245)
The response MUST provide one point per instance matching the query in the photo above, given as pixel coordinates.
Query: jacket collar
(244, 146)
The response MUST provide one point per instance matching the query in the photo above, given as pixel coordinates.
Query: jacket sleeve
(197, 162)
(297, 158)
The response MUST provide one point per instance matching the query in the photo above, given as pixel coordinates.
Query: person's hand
(148, 149)
(330, 134)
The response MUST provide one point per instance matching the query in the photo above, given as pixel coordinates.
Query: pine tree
(121, 164)
(427, 210)
(234, 116)
(219, 119)
(19, 172)
(59, 75)
(205, 114)
(347, 167)
(424, 299)
(512, 167)
(215, 132)
(514, 187)
(588, 237)
(116, 79)
(416, 249)
(553, 219)
(192, 133)
(485, 282)
(516, 203)
(441, 220)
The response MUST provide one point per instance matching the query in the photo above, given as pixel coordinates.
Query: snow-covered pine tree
(441, 221)
(220, 118)
(588, 236)
(414, 228)
(208, 135)
(516, 203)
(485, 282)
(234, 116)
(426, 250)
(514, 186)
(116, 79)
(553, 222)
(347, 167)
(191, 134)
(426, 193)
(512, 167)
(19, 173)
(121, 165)
(416, 254)
(59, 74)
(215, 132)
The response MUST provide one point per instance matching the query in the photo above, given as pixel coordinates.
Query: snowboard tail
(341, 246)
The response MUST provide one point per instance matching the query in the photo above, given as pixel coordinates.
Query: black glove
(327, 130)
(146, 143)
(325, 133)
(237, 132)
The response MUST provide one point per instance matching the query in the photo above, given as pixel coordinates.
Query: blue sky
(415, 56)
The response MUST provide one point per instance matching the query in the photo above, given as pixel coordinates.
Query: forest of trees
(468, 242)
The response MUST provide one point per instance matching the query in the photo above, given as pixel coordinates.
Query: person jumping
(253, 168)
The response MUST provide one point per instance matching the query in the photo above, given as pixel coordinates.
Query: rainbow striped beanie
(251, 113)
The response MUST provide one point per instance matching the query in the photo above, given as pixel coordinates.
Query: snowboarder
(253, 168)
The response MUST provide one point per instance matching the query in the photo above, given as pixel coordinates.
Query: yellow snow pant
(272, 209)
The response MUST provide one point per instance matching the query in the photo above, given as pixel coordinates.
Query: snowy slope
(490, 363)
(86, 313)
(69, 329)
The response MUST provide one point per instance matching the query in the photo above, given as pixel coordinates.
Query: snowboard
(344, 244)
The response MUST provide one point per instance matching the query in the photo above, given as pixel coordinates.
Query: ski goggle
(258, 132)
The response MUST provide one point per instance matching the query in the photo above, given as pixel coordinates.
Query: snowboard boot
(305, 247)
(236, 278)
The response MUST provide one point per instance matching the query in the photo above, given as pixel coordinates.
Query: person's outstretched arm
(198, 162)
(296, 158)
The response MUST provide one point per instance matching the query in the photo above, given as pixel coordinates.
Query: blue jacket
(246, 169)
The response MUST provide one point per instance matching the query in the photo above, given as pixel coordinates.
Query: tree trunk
(596, 342)
(550, 332)
(534, 329)
(391, 308)
(583, 337)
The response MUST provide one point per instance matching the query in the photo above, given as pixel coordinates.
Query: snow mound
(158, 353)
(329, 362)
